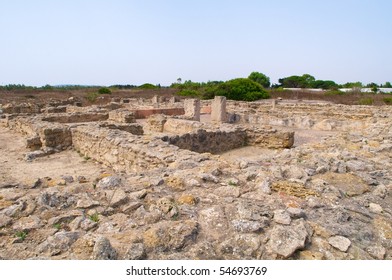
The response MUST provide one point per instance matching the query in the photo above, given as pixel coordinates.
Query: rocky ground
(328, 197)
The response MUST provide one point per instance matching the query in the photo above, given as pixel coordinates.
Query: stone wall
(133, 128)
(204, 141)
(270, 138)
(42, 134)
(23, 108)
(122, 116)
(76, 117)
(145, 113)
(128, 153)
(179, 126)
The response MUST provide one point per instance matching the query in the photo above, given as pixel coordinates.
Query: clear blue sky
(133, 42)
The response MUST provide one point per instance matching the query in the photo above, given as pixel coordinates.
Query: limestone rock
(282, 217)
(136, 251)
(109, 182)
(58, 243)
(375, 208)
(27, 223)
(103, 250)
(4, 220)
(340, 242)
(86, 202)
(117, 198)
(285, 240)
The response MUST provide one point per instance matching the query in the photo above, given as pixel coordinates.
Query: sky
(97, 42)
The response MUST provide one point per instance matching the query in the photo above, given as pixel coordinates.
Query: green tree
(260, 78)
(241, 89)
(104, 91)
(304, 81)
(387, 85)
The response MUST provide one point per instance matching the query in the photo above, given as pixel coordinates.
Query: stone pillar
(218, 109)
(192, 109)
(173, 100)
(155, 99)
(274, 102)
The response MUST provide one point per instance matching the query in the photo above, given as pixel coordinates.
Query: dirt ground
(13, 167)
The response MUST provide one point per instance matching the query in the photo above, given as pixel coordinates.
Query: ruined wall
(125, 152)
(203, 141)
(269, 138)
(122, 116)
(42, 134)
(181, 126)
(76, 117)
(145, 113)
(132, 128)
(23, 108)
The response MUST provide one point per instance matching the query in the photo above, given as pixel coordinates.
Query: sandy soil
(14, 169)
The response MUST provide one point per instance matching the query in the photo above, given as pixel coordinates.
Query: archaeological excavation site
(165, 178)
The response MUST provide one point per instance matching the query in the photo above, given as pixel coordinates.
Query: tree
(304, 81)
(260, 78)
(387, 85)
(241, 89)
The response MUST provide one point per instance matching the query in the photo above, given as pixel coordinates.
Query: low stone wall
(145, 113)
(269, 138)
(133, 128)
(42, 134)
(23, 108)
(204, 141)
(76, 117)
(125, 152)
(122, 116)
(179, 126)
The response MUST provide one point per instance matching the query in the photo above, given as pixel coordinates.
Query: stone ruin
(210, 179)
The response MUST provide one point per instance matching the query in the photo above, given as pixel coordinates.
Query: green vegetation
(92, 96)
(104, 90)
(94, 217)
(57, 226)
(236, 89)
(148, 86)
(242, 89)
(21, 235)
(387, 100)
(260, 78)
(366, 101)
(307, 81)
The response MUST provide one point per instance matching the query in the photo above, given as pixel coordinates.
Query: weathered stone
(4, 220)
(377, 252)
(296, 213)
(117, 198)
(375, 208)
(86, 202)
(340, 242)
(228, 191)
(218, 109)
(192, 109)
(27, 223)
(109, 182)
(103, 250)
(282, 217)
(250, 226)
(285, 240)
(58, 243)
(136, 251)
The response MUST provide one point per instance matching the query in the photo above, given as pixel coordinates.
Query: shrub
(92, 96)
(104, 91)
(366, 101)
(188, 92)
(387, 100)
(242, 89)
(147, 86)
(335, 92)
(260, 78)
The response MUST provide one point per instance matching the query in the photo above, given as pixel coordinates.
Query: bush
(92, 96)
(366, 101)
(147, 86)
(188, 92)
(104, 91)
(260, 78)
(334, 92)
(387, 100)
(242, 89)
